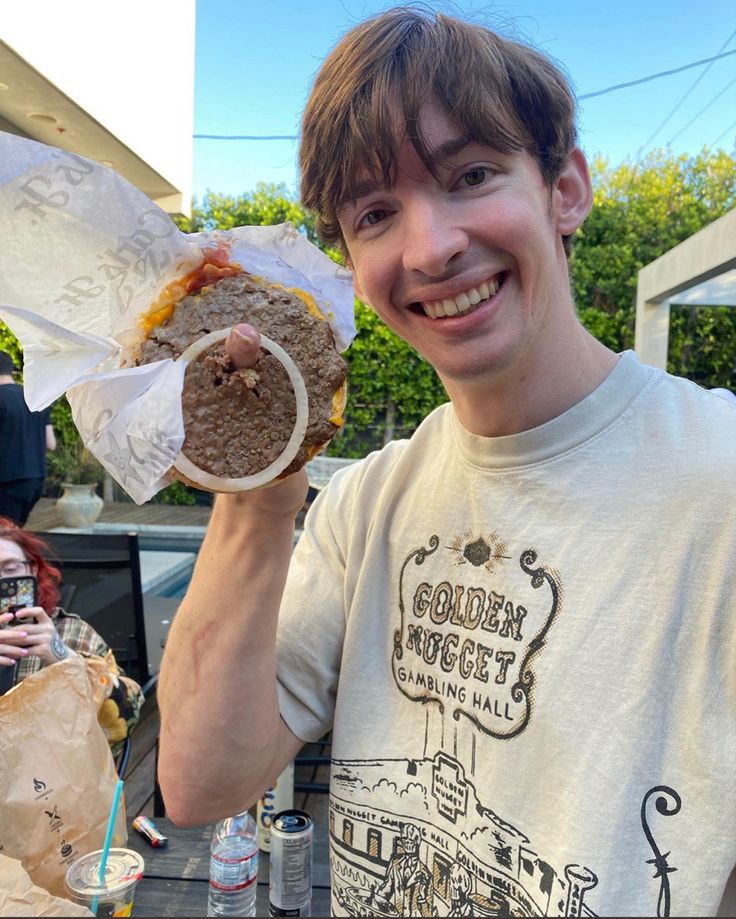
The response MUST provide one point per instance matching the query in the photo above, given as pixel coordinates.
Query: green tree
(641, 211)
(268, 205)
(390, 388)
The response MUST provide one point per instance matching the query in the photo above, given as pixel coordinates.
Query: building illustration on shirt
(419, 836)
(434, 849)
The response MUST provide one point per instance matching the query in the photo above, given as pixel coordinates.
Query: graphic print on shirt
(662, 868)
(472, 618)
(434, 849)
(422, 836)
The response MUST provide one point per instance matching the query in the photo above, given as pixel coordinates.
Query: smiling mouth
(463, 303)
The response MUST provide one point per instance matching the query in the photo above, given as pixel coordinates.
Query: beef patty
(236, 422)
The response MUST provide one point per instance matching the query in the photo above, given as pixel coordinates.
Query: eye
(371, 218)
(475, 177)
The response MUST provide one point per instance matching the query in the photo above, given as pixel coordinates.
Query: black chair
(102, 583)
(310, 759)
(121, 760)
(123, 757)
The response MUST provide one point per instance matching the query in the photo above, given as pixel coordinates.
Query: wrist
(272, 510)
(58, 651)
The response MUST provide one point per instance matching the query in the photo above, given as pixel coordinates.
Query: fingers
(243, 345)
(13, 637)
(13, 634)
(33, 612)
(10, 653)
(24, 631)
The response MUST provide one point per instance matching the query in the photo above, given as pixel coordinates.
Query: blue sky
(256, 60)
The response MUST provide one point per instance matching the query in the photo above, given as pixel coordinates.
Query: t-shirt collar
(573, 427)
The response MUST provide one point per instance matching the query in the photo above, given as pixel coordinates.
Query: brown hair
(34, 548)
(503, 94)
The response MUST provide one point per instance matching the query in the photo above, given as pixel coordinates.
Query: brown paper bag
(20, 897)
(58, 774)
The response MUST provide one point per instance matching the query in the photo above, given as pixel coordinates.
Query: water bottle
(234, 867)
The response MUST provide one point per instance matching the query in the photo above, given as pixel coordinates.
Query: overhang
(679, 277)
(32, 106)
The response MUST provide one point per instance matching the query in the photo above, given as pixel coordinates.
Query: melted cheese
(303, 295)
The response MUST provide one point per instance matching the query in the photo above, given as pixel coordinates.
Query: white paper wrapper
(84, 254)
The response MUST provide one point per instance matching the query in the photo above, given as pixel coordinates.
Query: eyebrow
(437, 157)
(450, 148)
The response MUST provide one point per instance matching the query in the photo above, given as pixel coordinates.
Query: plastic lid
(124, 868)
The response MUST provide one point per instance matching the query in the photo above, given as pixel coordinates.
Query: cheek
(372, 282)
(513, 221)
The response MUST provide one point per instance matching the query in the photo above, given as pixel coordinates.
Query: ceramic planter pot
(79, 505)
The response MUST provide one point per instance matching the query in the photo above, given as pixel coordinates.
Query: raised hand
(282, 496)
(34, 634)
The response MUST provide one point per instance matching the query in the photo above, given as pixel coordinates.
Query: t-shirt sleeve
(311, 627)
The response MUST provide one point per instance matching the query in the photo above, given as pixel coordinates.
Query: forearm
(222, 738)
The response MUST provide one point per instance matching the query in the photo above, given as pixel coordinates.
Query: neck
(512, 401)
(6, 378)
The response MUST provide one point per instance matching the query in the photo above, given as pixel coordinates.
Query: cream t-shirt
(524, 647)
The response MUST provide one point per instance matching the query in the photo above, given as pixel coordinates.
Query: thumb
(243, 345)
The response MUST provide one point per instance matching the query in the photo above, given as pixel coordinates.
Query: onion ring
(264, 476)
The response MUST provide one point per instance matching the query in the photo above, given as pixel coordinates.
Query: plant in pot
(78, 474)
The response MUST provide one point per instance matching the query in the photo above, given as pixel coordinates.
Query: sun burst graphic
(481, 551)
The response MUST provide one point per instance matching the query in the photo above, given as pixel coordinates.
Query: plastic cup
(114, 897)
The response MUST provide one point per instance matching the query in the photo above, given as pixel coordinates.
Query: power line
(600, 92)
(721, 136)
(245, 136)
(703, 109)
(656, 76)
(680, 102)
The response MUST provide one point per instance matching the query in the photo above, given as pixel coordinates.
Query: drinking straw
(108, 840)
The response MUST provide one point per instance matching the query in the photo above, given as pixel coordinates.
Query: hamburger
(244, 427)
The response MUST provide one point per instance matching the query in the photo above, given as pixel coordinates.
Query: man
(25, 436)
(408, 881)
(518, 624)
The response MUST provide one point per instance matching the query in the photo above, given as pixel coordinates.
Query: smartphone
(17, 593)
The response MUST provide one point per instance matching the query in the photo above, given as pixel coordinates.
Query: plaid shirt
(121, 710)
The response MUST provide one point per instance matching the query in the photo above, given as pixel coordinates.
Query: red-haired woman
(55, 634)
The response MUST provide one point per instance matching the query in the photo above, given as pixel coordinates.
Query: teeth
(462, 303)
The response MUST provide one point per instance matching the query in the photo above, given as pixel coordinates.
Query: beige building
(114, 83)
(701, 271)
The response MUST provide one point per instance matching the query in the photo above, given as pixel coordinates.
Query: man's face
(467, 267)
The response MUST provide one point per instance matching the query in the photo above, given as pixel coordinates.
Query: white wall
(130, 65)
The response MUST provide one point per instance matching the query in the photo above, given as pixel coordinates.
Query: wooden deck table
(176, 878)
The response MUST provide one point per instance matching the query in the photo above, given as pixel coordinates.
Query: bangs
(369, 95)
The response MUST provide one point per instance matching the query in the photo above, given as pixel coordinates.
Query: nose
(432, 239)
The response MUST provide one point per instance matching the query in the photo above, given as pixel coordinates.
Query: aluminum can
(290, 884)
(276, 799)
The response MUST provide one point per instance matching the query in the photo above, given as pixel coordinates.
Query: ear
(573, 193)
